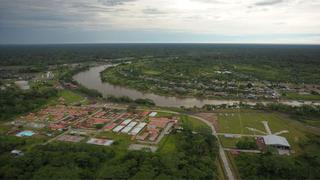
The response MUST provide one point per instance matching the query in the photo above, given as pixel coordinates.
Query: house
(145, 113)
(57, 127)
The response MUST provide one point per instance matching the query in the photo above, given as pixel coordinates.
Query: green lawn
(167, 145)
(70, 97)
(228, 142)
(122, 141)
(164, 114)
(239, 122)
(195, 124)
(4, 128)
(151, 72)
(305, 97)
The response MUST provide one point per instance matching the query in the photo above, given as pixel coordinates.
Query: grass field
(238, 123)
(168, 143)
(164, 114)
(70, 97)
(305, 97)
(228, 142)
(122, 141)
(195, 124)
(4, 128)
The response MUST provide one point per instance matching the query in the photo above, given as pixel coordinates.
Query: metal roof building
(138, 128)
(277, 141)
(128, 127)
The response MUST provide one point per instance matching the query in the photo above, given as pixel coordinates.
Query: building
(153, 114)
(276, 141)
(17, 152)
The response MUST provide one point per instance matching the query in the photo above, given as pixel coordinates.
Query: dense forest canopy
(14, 101)
(53, 54)
(194, 158)
(268, 166)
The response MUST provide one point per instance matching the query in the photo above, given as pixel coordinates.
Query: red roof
(158, 122)
(145, 113)
(111, 126)
(99, 120)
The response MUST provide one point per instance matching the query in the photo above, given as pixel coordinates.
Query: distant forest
(72, 53)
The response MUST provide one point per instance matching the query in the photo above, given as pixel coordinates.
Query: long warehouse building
(129, 127)
(138, 128)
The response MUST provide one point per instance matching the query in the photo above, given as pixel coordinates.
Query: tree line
(194, 159)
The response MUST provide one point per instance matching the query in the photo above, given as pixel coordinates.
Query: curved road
(222, 154)
(226, 165)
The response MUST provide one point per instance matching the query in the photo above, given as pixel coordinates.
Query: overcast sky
(119, 21)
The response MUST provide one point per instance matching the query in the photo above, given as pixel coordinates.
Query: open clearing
(238, 123)
(70, 97)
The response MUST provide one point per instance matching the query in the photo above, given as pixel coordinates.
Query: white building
(153, 114)
(276, 141)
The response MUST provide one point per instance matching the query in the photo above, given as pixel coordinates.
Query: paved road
(226, 165)
(242, 150)
(240, 135)
(222, 154)
(266, 126)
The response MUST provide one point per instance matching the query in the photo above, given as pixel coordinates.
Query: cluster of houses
(58, 112)
(58, 117)
(214, 87)
(143, 126)
(147, 129)
(155, 127)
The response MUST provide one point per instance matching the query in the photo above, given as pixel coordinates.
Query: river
(91, 79)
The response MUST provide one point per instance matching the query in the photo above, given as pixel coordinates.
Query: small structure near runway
(278, 142)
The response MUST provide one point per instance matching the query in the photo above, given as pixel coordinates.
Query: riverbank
(91, 80)
(204, 83)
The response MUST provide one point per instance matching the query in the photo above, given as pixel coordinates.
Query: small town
(160, 90)
(85, 123)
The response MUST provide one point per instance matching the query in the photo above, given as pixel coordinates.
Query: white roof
(132, 124)
(129, 127)
(275, 140)
(153, 114)
(138, 128)
(125, 122)
(118, 128)
(16, 151)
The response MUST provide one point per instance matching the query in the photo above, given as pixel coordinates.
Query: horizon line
(115, 43)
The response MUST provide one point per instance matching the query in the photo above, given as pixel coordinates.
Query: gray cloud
(91, 8)
(197, 16)
(211, 1)
(114, 2)
(38, 13)
(152, 11)
(268, 2)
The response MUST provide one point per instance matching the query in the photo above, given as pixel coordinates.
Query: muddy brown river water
(91, 80)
